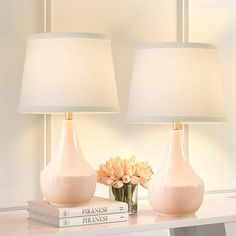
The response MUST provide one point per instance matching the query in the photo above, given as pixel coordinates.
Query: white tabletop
(216, 208)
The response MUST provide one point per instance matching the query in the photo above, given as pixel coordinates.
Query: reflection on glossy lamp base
(68, 180)
(176, 190)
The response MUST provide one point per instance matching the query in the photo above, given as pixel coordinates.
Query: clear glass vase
(128, 193)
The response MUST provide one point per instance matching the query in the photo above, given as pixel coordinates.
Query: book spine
(123, 207)
(97, 219)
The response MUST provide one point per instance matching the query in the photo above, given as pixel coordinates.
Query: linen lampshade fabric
(176, 82)
(68, 72)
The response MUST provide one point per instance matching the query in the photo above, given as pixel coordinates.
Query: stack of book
(96, 211)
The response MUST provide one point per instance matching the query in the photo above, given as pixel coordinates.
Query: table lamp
(66, 73)
(176, 83)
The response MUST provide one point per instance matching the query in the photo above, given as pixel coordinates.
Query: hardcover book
(96, 206)
(78, 221)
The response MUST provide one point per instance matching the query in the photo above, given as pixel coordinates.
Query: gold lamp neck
(69, 116)
(176, 125)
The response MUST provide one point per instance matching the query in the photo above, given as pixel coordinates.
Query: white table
(217, 211)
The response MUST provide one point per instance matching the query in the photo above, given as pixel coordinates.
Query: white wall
(129, 22)
(21, 137)
(213, 148)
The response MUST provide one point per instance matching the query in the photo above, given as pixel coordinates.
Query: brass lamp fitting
(69, 116)
(176, 125)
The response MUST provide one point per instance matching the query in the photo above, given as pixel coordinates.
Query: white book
(96, 206)
(78, 221)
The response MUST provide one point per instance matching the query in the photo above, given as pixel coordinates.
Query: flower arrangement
(123, 175)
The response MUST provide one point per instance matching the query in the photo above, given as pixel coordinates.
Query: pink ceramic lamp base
(176, 190)
(68, 180)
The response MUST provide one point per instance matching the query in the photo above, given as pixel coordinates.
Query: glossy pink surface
(176, 189)
(68, 179)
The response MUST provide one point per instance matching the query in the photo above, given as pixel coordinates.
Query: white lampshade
(68, 72)
(176, 82)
